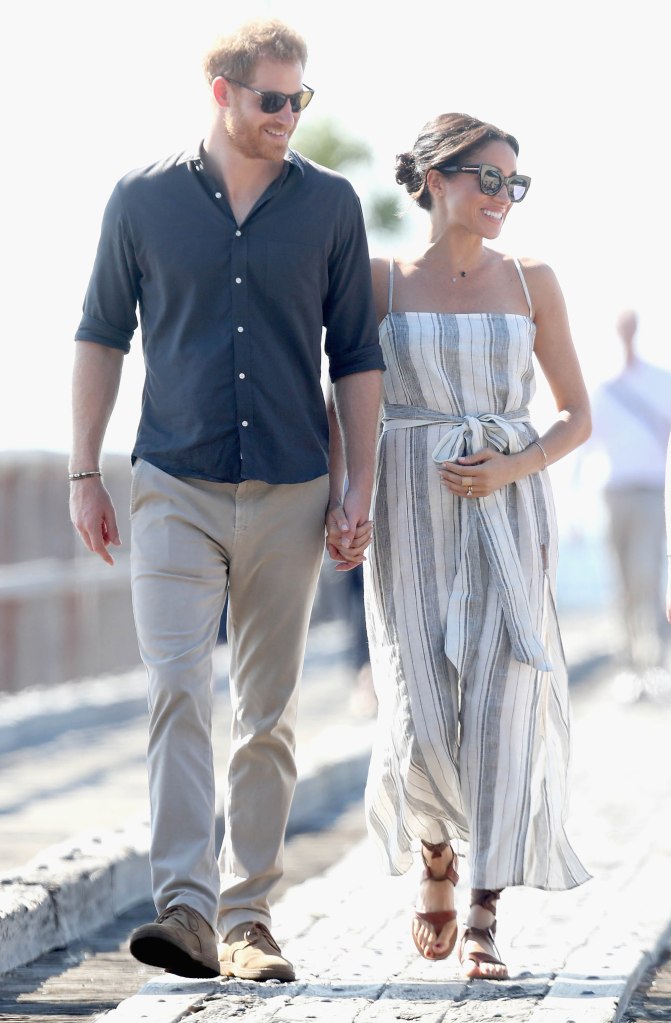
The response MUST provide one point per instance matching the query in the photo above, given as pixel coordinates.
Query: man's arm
(344, 549)
(95, 385)
(357, 402)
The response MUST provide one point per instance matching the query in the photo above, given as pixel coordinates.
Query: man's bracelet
(84, 475)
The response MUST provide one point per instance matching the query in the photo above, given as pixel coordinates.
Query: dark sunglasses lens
(300, 100)
(271, 102)
(490, 180)
(517, 189)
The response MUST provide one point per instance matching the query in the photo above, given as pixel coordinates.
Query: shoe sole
(261, 973)
(154, 951)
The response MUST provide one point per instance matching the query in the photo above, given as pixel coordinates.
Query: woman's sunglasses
(272, 102)
(492, 180)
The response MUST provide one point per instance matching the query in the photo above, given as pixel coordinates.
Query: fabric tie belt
(484, 525)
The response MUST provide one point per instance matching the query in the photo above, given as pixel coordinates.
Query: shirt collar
(195, 156)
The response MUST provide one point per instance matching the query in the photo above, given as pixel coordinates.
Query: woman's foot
(478, 953)
(434, 924)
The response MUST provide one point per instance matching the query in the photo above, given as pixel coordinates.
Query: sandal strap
(481, 935)
(436, 852)
(487, 898)
(438, 918)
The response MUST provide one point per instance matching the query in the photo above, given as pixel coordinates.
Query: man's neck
(244, 180)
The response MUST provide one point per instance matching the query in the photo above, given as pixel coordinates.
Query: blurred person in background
(473, 735)
(237, 253)
(631, 417)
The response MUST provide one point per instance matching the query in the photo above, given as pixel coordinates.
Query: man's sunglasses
(272, 102)
(492, 180)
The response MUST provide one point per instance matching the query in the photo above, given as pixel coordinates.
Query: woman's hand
(346, 546)
(478, 475)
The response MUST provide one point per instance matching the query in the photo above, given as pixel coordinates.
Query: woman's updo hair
(449, 138)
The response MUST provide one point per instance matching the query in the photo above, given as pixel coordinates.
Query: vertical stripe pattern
(473, 735)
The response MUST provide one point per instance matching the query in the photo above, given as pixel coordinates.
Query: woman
(465, 648)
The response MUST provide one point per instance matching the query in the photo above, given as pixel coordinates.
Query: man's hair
(236, 55)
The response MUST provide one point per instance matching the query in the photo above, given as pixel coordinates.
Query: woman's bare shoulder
(379, 268)
(535, 267)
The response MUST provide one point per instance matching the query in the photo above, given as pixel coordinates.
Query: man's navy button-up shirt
(232, 315)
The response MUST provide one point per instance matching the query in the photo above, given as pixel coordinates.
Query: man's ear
(220, 91)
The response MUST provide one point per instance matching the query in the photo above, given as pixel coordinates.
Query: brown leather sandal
(439, 918)
(483, 937)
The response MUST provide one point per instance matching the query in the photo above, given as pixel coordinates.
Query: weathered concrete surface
(89, 878)
(574, 957)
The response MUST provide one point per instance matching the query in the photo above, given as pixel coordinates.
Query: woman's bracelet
(543, 452)
(84, 475)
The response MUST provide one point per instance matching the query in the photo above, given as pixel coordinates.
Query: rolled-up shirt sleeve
(232, 315)
(352, 341)
(110, 304)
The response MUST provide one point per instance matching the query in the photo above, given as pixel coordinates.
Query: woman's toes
(424, 936)
(486, 971)
(446, 939)
(499, 971)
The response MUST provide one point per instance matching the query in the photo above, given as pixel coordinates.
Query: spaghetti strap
(391, 283)
(524, 286)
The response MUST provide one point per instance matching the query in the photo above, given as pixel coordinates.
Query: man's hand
(93, 516)
(347, 537)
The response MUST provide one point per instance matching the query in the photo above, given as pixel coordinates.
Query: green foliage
(383, 213)
(323, 141)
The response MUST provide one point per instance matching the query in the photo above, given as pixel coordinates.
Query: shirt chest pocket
(295, 271)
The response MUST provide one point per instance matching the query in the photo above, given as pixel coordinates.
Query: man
(631, 423)
(237, 255)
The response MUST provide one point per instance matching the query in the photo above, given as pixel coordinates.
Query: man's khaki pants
(194, 541)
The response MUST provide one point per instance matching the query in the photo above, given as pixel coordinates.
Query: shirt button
(217, 195)
(238, 233)
(240, 330)
(245, 423)
(238, 280)
(241, 375)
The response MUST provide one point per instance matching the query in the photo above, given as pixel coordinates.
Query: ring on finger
(469, 492)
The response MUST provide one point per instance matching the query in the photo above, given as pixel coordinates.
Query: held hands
(348, 532)
(92, 514)
(477, 475)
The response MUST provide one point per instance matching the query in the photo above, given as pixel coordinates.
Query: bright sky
(92, 90)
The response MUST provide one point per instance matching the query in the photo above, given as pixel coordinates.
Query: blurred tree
(383, 213)
(324, 142)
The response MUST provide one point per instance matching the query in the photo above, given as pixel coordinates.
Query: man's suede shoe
(251, 953)
(180, 941)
